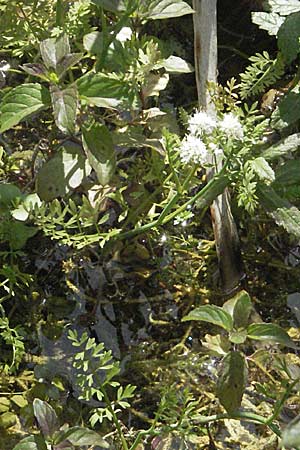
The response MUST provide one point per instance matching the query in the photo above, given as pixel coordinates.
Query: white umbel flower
(232, 127)
(200, 123)
(193, 150)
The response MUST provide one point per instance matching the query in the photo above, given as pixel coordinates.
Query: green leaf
(99, 148)
(232, 381)
(80, 436)
(93, 42)
(271, 333)
(31, 443)
(288, 173)
(238, 337)
(289, 107)
(284, 146)
(9, 193)
(19, 234)
(279, 209)
(102, 90)
(271, 22)
(53, 50)
(67, 62)
(263, 169)
(45, 416)
(239, 307)
(64, 103)
(212, 314)
(288, 37)
(36, 69)
(115, 6)
(217, 345)
(291, 434)
(20, 102)
(163, 9)
(62, 173)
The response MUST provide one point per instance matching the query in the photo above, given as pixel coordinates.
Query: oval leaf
(212, 314)
(291, 434)
(102, 90)
(164, 9)
(21, 102)
(64, 172)
(99, 148)
(46, 417)
(239, 307)
(54, 49)
(31, 443)
(64, 103)
(271, 333)
(79, 436)
(288, 37)
(232, 381)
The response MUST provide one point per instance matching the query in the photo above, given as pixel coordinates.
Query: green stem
(204, 197)
(114, 416)
(281, 402)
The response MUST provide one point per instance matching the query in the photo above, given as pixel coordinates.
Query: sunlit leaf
(20, 102)
(263, 169)
(216, 345)
(271, 22)
(284, 214)
(79, 436)
(232, 381)
(270, 332)
(53, 50)
(281, 148)
(239, 307)
(212, 314)
(163, 9)
(62, 173)
(284, 7)
(93, 42)
(99, 148)
(102, 90)
(64, 103)
(31, 443)
(174, 64)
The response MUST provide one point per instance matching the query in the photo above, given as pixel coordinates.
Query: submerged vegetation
(116, 328)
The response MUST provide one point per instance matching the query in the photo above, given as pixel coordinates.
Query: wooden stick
(225, 231)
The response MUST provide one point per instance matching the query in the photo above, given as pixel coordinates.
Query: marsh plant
(115, 161)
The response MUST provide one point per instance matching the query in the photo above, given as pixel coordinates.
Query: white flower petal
(232, 126)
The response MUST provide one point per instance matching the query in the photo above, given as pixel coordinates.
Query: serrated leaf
(239, 307)
(281, 148)
(62, 173)
(284, 214)
(64, 103)
(270, 332)
(232, 381)
(20, 102)
(79, 436)
(93, 42)
(45, 416)
(289, 107)
(284, 7)
(212, 314)
(53, 50)
(164, 9)
(271, 22)
(288, 37)
(174, 64)
(102, 90)
(99, 148)
(291, 434)
(263, 169)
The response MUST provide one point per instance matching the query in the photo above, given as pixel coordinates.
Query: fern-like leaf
(262, 73)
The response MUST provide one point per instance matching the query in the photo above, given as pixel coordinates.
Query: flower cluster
(198, 147)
